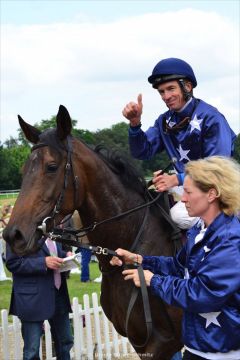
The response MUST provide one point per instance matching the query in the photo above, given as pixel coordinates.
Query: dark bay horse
(63, 174)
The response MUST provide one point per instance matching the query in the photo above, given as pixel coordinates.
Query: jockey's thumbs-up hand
(133, 111)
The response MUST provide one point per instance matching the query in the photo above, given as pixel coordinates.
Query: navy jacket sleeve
(25, 264)
(164, 265)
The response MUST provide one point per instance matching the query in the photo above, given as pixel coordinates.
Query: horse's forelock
(49, 137)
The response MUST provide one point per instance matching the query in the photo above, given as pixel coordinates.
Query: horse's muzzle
(18, 243)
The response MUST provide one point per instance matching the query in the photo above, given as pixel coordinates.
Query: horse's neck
(105, 197)
(104, 206)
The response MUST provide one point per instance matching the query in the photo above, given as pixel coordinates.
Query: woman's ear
(212, 195)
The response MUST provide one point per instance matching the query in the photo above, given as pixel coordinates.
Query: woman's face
(196, 201)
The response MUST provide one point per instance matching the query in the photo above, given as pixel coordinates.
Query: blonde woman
(204, 278)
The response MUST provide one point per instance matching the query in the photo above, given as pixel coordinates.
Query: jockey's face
(172, 94)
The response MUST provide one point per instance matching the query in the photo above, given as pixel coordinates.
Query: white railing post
(48, 340)
(17, 337)
(115, 342)
(96, 311)
(124, 346)
(106, 336)
(77, 329)
(5, 330)
(88, 327)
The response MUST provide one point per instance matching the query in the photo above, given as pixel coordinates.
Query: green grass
(75, 287)
(4, 200)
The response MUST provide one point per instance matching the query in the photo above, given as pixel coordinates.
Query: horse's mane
(115, 160)
(123, 168)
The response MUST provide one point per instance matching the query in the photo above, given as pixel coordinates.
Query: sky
(95, 56)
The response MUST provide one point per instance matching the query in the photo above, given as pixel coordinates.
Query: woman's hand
(127, 257)
(132, 274)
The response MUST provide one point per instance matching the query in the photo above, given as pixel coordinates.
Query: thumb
(139, 100)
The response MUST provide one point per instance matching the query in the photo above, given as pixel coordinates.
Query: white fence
(96, 340)
(9, 194)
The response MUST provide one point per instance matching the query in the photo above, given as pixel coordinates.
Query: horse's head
(47, 185)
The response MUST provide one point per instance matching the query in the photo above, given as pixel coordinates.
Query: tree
(12, 160)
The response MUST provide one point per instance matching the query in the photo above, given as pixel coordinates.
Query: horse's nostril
(18, 235)
(12, 235)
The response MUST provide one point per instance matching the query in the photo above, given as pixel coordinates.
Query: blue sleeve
(217, 136)
(215, 281)
(144, 145)
(166, 265)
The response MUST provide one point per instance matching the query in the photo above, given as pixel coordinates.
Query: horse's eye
(51, 168)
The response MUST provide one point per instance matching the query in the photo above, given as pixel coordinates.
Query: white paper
(70, 262)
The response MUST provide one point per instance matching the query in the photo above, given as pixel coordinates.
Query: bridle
(68, 169)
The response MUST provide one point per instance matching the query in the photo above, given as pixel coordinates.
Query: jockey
(190, 129)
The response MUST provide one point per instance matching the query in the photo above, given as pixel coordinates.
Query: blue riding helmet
(171, 69)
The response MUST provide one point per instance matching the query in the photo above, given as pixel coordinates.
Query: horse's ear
(64, 123)
(30, 132)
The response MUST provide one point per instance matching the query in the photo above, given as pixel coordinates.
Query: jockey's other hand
(164, 182)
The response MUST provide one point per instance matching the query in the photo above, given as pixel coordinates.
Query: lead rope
(135, 292)
(146, 307)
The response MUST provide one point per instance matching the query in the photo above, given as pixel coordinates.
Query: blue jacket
(33, 292)
(207, 134)
(204, 280)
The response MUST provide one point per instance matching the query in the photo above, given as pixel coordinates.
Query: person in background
(85, 253)
(40, 293)
(203, 279)
(85, 260)
(6, 212)
(189, 130)
(4, 218)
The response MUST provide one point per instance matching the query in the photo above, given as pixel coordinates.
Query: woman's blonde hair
(220, 173)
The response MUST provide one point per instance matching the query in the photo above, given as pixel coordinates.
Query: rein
(85, 230)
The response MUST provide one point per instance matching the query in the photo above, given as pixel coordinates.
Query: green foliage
(12, 160)
(85, 135)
